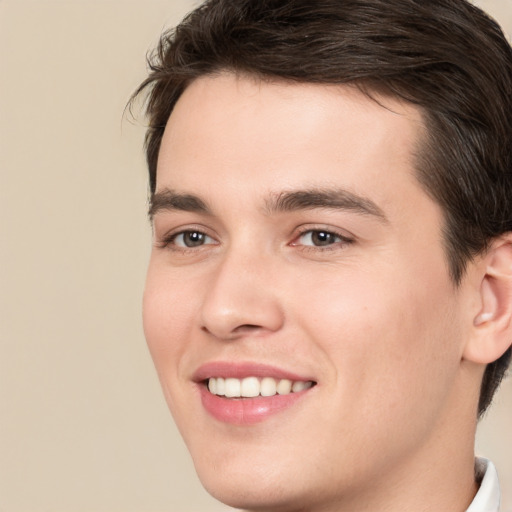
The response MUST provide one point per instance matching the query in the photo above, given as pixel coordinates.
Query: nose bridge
(240, 295)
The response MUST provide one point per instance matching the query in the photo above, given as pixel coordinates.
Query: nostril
(246, 328)
(237, 331)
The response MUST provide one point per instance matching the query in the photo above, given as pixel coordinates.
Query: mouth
(252, 387)
(244, 394)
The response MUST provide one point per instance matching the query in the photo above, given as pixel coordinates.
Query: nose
(240, 299)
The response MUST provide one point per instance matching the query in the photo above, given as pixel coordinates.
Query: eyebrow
(336, 199)
(289, 201)
(168, 200)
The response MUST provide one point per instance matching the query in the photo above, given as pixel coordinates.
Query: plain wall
(83, 424)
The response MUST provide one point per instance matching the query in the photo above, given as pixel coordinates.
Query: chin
(252, 485)
(254, 495)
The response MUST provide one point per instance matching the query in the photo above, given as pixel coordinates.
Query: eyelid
(345, 238)
(182, 235)
(166, 240)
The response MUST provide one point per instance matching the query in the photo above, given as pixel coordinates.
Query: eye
(319, 238)
(191, 239)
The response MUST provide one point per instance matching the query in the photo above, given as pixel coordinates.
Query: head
(443, 66)
(446, 56)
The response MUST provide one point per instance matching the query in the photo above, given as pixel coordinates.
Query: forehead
(231, 130)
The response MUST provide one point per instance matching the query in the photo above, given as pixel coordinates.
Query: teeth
(284, 387)
(221, 386)
(233, 388)
(298, 386)
(252, 386)
(268, 386)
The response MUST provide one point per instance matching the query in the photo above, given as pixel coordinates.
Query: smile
(251, 387)
(249, 393)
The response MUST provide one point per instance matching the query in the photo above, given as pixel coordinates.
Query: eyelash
(168, 242)
(342, 241)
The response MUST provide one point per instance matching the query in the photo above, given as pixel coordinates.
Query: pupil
(322, 238)
(193, 238)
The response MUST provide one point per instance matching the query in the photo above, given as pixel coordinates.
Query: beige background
(83, 426)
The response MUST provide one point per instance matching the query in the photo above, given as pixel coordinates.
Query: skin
(373, 317)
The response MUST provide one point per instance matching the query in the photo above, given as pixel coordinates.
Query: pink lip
(241, 370)
(245, 411)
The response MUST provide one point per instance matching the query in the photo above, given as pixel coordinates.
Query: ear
(492, 325)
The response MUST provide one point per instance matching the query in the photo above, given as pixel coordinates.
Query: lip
(246, 411)
(244, 369)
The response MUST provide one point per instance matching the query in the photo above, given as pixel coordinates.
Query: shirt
(487, 498)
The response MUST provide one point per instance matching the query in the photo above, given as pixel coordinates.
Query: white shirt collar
(487, 498)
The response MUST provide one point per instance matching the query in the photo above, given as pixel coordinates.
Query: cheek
(389, 339)
(167, 310)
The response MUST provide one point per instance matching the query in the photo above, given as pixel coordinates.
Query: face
(293, 247)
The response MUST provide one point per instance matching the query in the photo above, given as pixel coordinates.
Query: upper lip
(240, 370)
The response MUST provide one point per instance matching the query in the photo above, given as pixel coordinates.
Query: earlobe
(492, 325)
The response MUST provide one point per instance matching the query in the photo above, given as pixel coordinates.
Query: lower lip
(247, 411)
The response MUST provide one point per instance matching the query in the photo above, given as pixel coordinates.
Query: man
(329, 295)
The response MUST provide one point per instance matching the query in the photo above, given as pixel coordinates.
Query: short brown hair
(445, 56)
